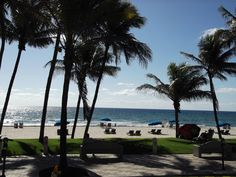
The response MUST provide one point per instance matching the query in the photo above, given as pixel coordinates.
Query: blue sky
(172, 26)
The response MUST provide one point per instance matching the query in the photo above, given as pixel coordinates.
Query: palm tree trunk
(176, 106)
(96, 93)
(76, 117)
(4, 110)
(2, 50)
(68, 62)
(214, 100)
(48, 86)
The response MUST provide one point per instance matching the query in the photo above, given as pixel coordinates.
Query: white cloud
(16, 90)
(126, 92)
(226, 90)
(104, 89)
(28, 94)
(125, 84)
(209, 32)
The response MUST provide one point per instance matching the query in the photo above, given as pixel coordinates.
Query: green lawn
(131, 146)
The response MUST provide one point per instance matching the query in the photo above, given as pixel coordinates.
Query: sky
(171, 26)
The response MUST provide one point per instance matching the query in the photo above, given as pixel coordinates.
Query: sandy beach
(30, 132)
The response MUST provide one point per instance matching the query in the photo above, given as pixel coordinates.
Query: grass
(131, 146)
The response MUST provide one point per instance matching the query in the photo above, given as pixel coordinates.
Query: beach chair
(205, 136)
(157, 132)
(102, 124)
(131, 133)
(21, 124)
(152, 131)
(138, 133)
(109, 125)
(107, 131)
(15, 124)
(113, 131)
(225, 132)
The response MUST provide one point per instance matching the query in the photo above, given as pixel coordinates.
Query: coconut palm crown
(184, 84)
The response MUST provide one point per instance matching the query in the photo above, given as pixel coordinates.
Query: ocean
(122, 117)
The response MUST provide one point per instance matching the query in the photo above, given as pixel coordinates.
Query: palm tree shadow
(37, 163)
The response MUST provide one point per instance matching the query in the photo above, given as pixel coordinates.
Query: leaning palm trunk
(89, 118)
(4, 110)
(214, 100)
(67, 76)
(2, 50)
(48, 86)
(76, 117)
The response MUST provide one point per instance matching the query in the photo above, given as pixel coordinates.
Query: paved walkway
(131, 165)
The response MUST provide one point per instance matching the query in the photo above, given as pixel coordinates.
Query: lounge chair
(157, 132)
(205, 136)
(102, 124)
(113, 131)
(225, 132)
(107, 131)
(109, 125)
(15, 124)
(152, 131)
(131, 133)
(21, 125)
(138, 133)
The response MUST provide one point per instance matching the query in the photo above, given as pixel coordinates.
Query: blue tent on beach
(105, 119)
(224, 125)
(58, 123)
(155, 123)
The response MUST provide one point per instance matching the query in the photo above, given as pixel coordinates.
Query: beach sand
(31, 132)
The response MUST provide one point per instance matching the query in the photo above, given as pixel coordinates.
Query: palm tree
(214, 58)
(51, 8)
(114, 34)
(184, 84)
(77, 19)
(29, 29)
(48, 86)
(3, 11)
(88, 64)
(215, 52)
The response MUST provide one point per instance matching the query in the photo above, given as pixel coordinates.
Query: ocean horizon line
(130, 108)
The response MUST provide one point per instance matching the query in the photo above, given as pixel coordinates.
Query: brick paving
(130, 165)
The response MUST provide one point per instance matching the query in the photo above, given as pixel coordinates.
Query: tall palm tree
(214, 59)
(48, 86)
(30, 27)
(51, 8)
(184, 84)
(215, 52)
(76, 19)
(88, 64)
(3, 12)
(114, 34)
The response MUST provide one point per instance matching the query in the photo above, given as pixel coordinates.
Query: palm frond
(192, 57)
